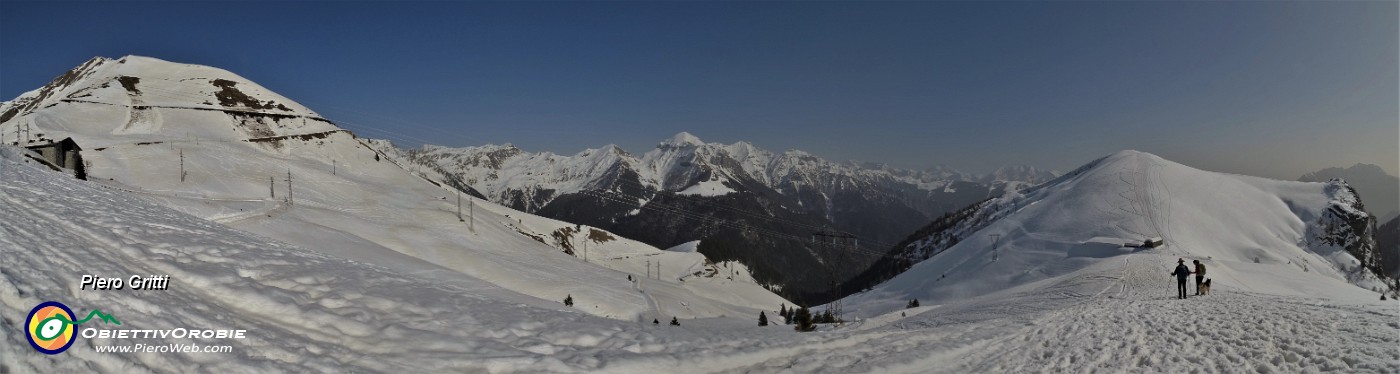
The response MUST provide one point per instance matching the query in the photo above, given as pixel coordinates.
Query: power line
(706, 219)
(759, 231)
(755, 230)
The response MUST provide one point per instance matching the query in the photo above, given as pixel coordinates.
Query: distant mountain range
(736, 198)
(1380, 192)
(217, 146)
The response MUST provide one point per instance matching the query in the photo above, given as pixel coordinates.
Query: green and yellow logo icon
(51, 328)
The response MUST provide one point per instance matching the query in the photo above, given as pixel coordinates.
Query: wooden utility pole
(471, 213)
(585, 248)
(182, 165)
(271, 190)
(459, 206)
(333, 169)
(709, 224)
(996, 241)
(289, 186)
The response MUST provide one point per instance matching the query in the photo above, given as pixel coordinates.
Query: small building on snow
(65, 154)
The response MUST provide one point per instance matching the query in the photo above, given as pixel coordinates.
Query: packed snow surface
(1250, 233)
(309, 311)
(291, 176)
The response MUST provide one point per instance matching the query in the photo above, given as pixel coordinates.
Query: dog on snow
(1205, 287)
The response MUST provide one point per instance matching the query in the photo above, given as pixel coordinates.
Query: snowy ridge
(685, 189)
(524, 180)
(157, 83)
(350, 199)
(1380, 191)
(505, 173)
(305, 311)
(226, 278)
(724, 191)
(1237, 225)
(134, 98)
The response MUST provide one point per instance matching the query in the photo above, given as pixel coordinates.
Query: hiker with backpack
(1200, 275)
(1181, 273)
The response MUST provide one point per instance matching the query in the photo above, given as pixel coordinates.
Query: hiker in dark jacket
(1200, 275)
(1181, 273)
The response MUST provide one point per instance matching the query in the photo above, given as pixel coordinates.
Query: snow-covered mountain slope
(736, 195)
(231, 161)
(132, 96)
(1380, 191)
(303, 310)
(529, 181)
(1252, 234)
(306, 311)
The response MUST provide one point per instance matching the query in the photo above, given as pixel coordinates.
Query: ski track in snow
(310, 312)
(1125, 319)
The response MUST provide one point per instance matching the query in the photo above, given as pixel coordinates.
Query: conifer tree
(569, 300)
(762, 319)
(675, 322)
(803, 320)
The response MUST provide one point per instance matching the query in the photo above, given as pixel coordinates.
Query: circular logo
(50, 327)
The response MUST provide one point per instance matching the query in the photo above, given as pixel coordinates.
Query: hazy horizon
(1272, 89)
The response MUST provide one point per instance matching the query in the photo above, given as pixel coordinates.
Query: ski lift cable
(719, 205)
(773, 219)
(343, 110)
(404, 137)
(788, 223)
(753, 229)
(336, 121)
(354, 126)
(169, 94)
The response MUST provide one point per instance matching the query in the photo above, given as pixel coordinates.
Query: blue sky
(1274, 89)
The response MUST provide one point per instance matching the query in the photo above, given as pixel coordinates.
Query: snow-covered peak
(212, 144)
(682, 139)
(1380, 191)
(138, 99)
(616, 150)
(158, 82)
(1021, 173)
(531, 180)
(1238, 226)
(1130, 154)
